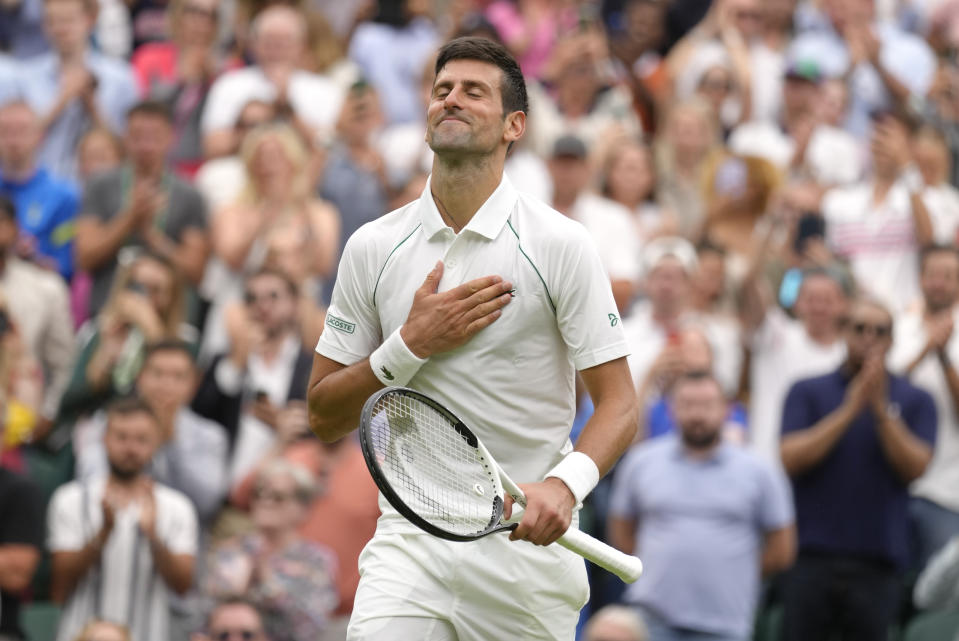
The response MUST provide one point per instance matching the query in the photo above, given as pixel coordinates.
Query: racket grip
(626, 567)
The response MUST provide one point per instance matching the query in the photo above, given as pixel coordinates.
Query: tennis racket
(434, 470)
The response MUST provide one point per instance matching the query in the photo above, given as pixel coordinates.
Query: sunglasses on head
(880, 331)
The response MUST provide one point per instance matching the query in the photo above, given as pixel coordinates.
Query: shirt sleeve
(23, 518)
(180, 531)
(776, 509)
(585, 310)
(352, 329)
(65, 521)
(797, 414)
(920, 416)
(221, 110)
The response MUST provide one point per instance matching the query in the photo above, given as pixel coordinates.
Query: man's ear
(515, 126)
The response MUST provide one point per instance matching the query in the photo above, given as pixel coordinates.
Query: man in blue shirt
(852, 442)
(707, 517)
(72, 87)
(46, 207)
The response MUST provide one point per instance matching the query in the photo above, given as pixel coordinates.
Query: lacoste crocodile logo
(387, 373)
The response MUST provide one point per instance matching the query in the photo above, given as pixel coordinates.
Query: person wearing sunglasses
(853, 440)
(233, 619)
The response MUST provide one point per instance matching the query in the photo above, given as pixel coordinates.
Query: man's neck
(69, 57)
(563, 202)
(460, 187)
(18, 172)
(273, 344)
(148, 171)
(701, 453)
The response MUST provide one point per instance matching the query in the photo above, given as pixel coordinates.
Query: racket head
(430, 466)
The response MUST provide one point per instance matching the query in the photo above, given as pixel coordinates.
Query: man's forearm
(176, 570)
(612, 427)
(95, 246)
(335, 402)
(69, 567)
(803, 449)
(907, 454)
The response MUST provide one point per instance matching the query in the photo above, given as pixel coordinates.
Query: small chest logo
(340, 324)
(613, 320)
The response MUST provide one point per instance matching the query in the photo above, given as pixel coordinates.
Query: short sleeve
(23, 514)
(180, 526)
(95, 202)
(224, 103)
(586, 313)
(775, 510)
(65, 520)
(352, 329)
(920, 416)
(624, 499)
(797, 414)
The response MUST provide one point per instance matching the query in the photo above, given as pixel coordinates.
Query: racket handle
(626, 567)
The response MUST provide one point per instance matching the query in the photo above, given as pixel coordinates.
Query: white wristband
(912, 179)
(393, 362)
(578, 472)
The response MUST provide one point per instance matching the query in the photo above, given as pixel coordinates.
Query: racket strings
(431, 466)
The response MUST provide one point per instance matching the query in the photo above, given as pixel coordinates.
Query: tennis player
(487, 300)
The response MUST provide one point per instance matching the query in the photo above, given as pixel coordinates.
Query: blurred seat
(942, 625)
(39, 620)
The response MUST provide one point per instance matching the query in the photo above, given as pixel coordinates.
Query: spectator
(276, 221)
(72, 87)
(390, 51)
(852, 442)
(38, 306)
(21, 539)
(783, 350)
(100, 630)
(98, 151)
(96, 527)
(233, 618)
(925, 350)
(146, 305)
(266, 367)
(627, 176)
(615, 623)
(221, 180)
(291, 580)
(192, 453)
(46, 205)
(141, 204)
(310, 102)
(583, 98)
(609, 223)
(21, 393)
(179, 73)
(934, 164)
(671, 494)
(21, 28)
(530, 29)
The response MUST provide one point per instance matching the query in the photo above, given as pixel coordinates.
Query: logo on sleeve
(340, 324)
(387, 373)
(613, 319)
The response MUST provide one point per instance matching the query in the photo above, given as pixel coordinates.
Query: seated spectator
(96, 527)
(38, 306)
(231, 619)
(628, 177)
(308, 101)
(146, 305)
(782, 350)
(291, 580)
(671, 494)
(179, 73)
(100, 630)
(852, 442)
(21, 539)
(276, 222)
(583, 99)
(609, 223)
(46, 205)
(221, 179)
(73, 87)
(878, 225)
(192, 453)
(615, 623)
(266, 367)
(141, 204)
(390, 49)
(925, 349)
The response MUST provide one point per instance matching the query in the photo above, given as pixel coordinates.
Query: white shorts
(416, 586)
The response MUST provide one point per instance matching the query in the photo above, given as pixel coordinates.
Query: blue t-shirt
(853, 502)
(46, 210)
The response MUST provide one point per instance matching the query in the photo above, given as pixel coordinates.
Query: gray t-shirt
(104, 198)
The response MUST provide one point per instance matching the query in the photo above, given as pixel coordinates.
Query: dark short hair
(129, 406)
(153, 108)
(698, 376)
(930, 250)
(8, 210)
(513, 85)
(168, 345)
(228, 602)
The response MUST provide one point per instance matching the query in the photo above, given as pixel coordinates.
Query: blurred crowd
(771, 185)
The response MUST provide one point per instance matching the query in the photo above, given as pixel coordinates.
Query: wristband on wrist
(393, 363)
(578, 472)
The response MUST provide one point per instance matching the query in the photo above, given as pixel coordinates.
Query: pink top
(511, 26)
(154, 62)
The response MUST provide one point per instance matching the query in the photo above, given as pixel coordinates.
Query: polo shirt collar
(488, 221)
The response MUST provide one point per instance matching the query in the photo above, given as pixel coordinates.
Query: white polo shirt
(513, 382)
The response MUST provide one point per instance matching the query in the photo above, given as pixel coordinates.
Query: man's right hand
(439, 322)
(74, 80)
(863, 386)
